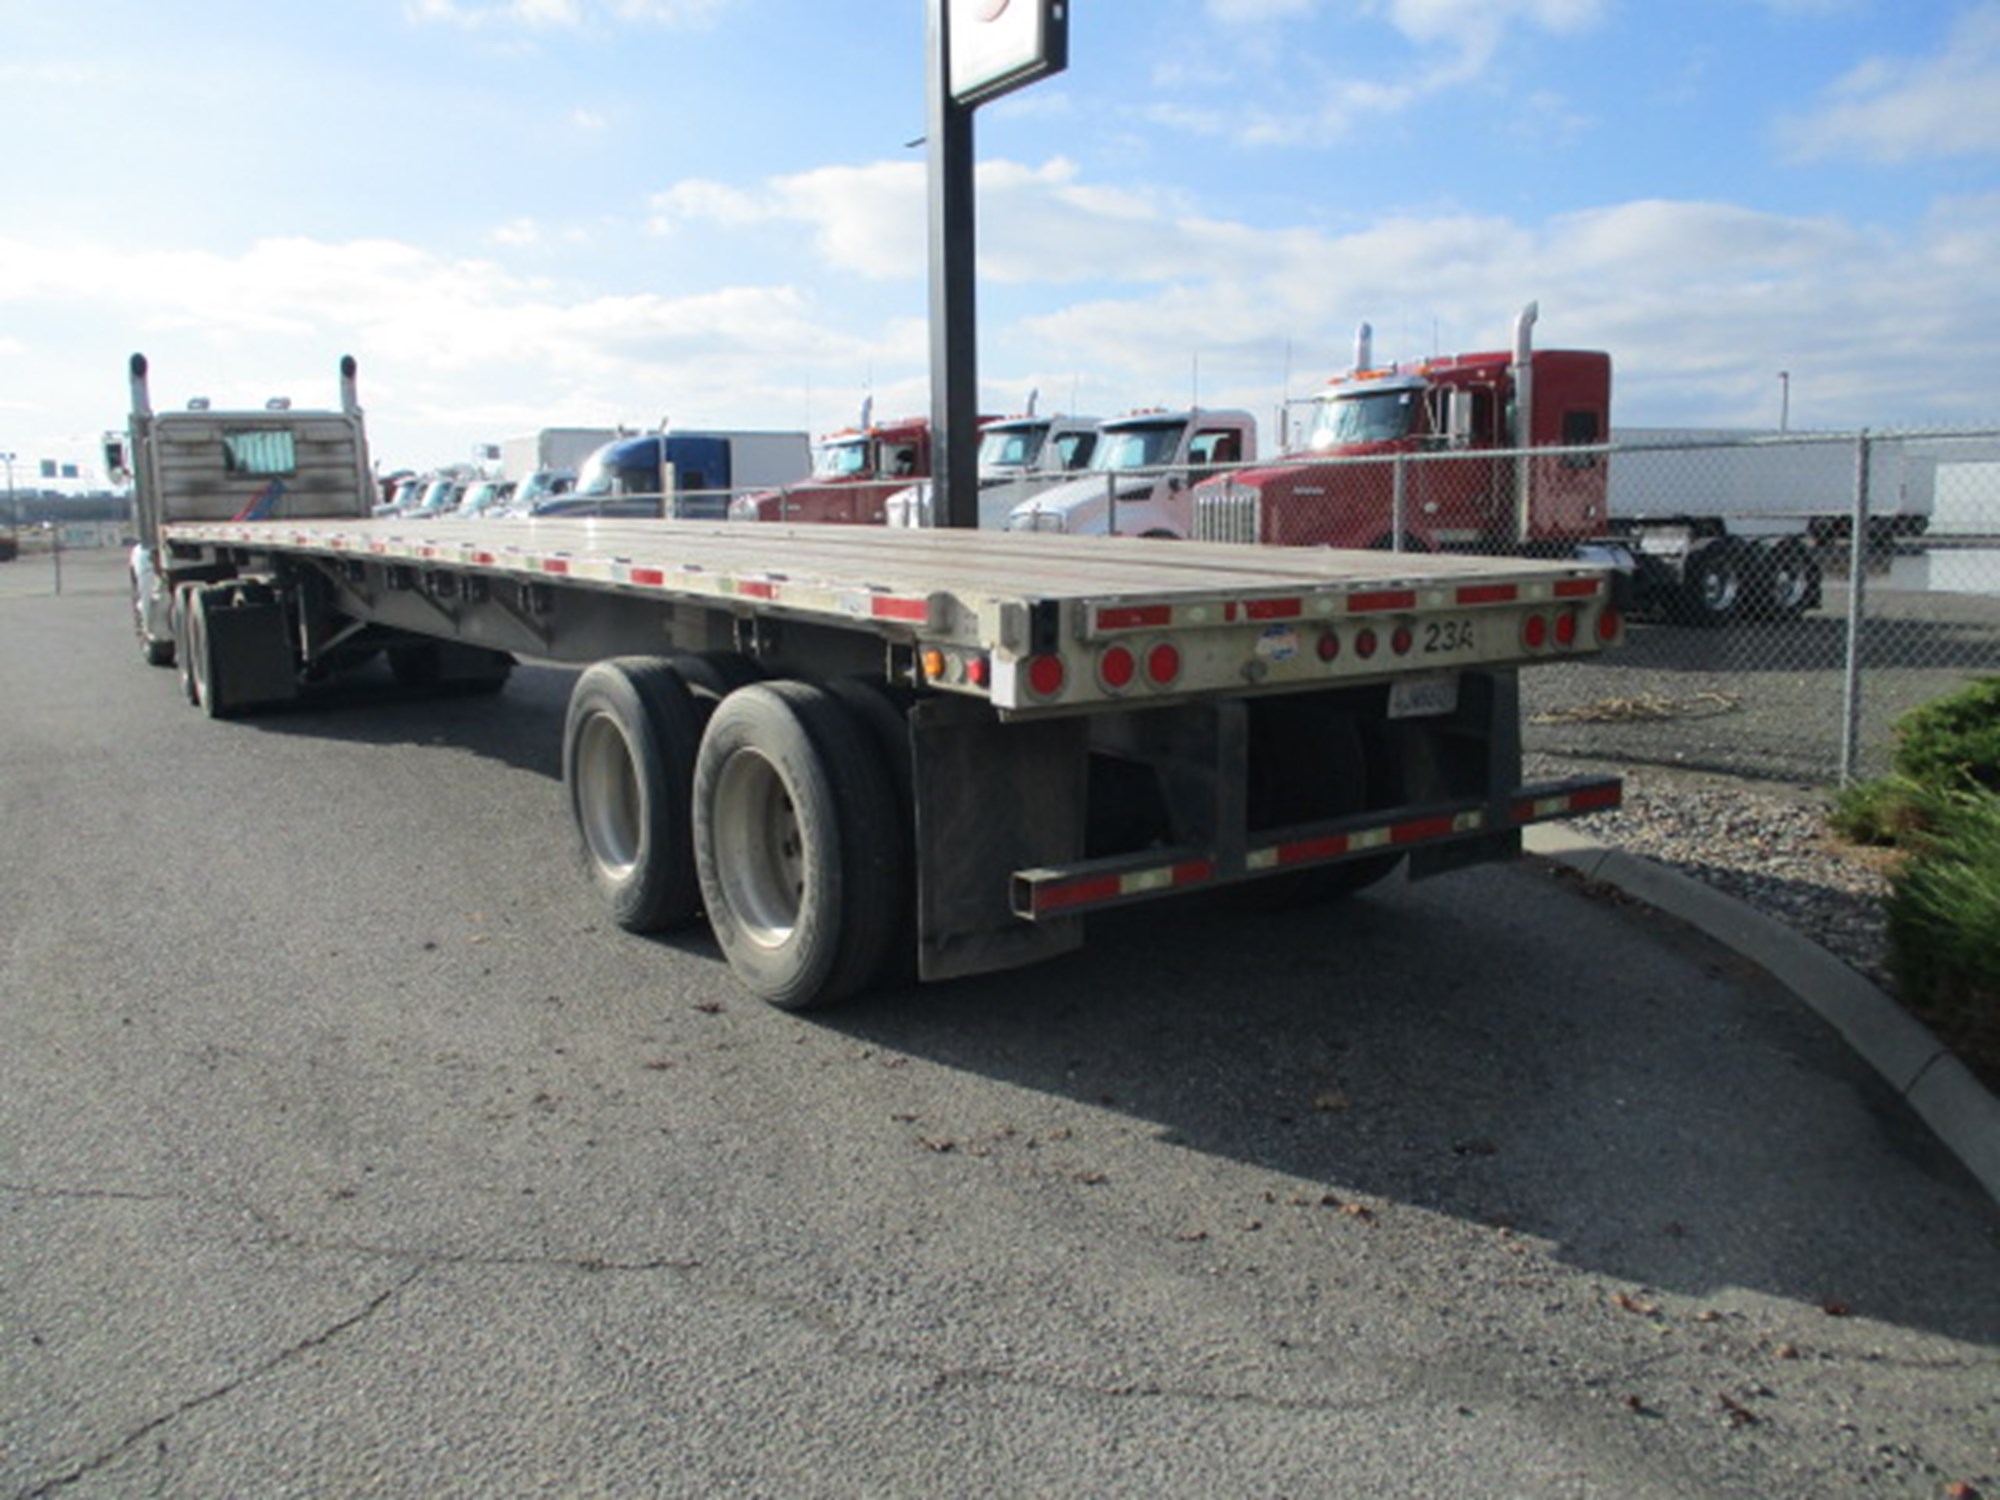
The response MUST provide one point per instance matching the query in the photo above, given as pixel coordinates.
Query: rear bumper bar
(1099, 884)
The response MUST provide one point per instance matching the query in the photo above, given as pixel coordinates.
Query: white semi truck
(866, 754)
(1019, 457)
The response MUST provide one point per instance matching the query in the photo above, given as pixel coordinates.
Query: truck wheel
(882, 710)
(629, 742)
(158, 651)
(182, 612)
(797, 844)
(1712, 588)
(713, 675)
(1787, 580)
(199, 651)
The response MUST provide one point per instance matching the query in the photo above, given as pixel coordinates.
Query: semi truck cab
(1141, 473)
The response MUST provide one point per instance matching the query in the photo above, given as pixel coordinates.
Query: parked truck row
(866, 754)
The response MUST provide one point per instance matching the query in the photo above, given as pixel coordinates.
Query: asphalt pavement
(346, 1149)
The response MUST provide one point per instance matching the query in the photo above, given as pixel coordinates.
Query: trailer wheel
(1787, 582)
(1711, 590)
(629, 742)
(797, 844)
(713, 675)
(882, 710)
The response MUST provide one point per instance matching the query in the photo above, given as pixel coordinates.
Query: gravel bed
(1768, 845)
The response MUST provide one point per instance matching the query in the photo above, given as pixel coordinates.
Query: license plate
(1423, 696)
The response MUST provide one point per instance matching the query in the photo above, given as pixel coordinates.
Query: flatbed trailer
(871, 755)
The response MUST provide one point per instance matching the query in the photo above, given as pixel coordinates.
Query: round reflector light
(1364, 644)
(1535, 631)
(1566, 628)
(1117, 667)
(1045, 676)
(1163, 664)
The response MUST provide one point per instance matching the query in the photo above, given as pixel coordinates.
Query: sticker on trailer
(1278, 643)
(1424, 696)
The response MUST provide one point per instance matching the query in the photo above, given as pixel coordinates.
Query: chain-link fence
(1802, 592)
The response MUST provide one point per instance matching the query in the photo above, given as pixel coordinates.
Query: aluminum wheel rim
(610, 804)
(760, 853)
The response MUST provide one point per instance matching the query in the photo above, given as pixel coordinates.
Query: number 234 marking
(1447, 635)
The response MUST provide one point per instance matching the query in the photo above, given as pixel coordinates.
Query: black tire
(182, 612)
(629, 742)
(1310, 761)
(883, 710)
(1712, 589)
(797, 845)
(713, 675)
(157, 651)
(200, 653)
(1787, 580)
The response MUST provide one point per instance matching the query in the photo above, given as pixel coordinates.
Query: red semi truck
(1501, 453)
(854, 471)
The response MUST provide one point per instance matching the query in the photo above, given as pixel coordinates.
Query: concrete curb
(1943, 1092)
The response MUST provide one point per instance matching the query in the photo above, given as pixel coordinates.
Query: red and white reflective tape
(1040, 893)
(1057, 896)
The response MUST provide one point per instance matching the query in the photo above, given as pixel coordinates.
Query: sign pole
(953, 307)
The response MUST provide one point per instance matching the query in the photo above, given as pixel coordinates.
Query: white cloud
(1113, 293)
(1452, 45)
(1895, 109)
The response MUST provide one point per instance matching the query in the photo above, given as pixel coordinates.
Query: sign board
(998, 46)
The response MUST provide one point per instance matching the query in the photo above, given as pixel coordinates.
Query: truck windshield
(1381, 416)
(597, 476)
(841, 458)
(1010, 448)
(1149, 445)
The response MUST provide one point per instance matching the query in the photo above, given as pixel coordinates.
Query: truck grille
(1227, 517)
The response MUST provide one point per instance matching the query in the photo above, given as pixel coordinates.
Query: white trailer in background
(562, 449)
(863, 754)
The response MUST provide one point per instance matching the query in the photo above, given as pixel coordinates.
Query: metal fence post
(1857, 572)
(1399, 486)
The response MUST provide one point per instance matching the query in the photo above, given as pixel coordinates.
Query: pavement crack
(317, 1340)
(64, 1194)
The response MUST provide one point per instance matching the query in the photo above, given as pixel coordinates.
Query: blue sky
(525, 213)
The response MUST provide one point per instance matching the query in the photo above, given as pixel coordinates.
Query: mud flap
(991, 798)
(250, 660)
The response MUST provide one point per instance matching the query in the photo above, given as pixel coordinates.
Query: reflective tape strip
(1133, 617)
(1488, 593)
(914, 610)
(1059, 895)
(1569, 804)
(1578, 588)
(1381, 600)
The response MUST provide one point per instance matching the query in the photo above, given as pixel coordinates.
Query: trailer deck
(980, 610)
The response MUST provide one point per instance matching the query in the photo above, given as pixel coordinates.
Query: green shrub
(1883, 811)
(1950, 743)
(1944, 907)
(1954, 740)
